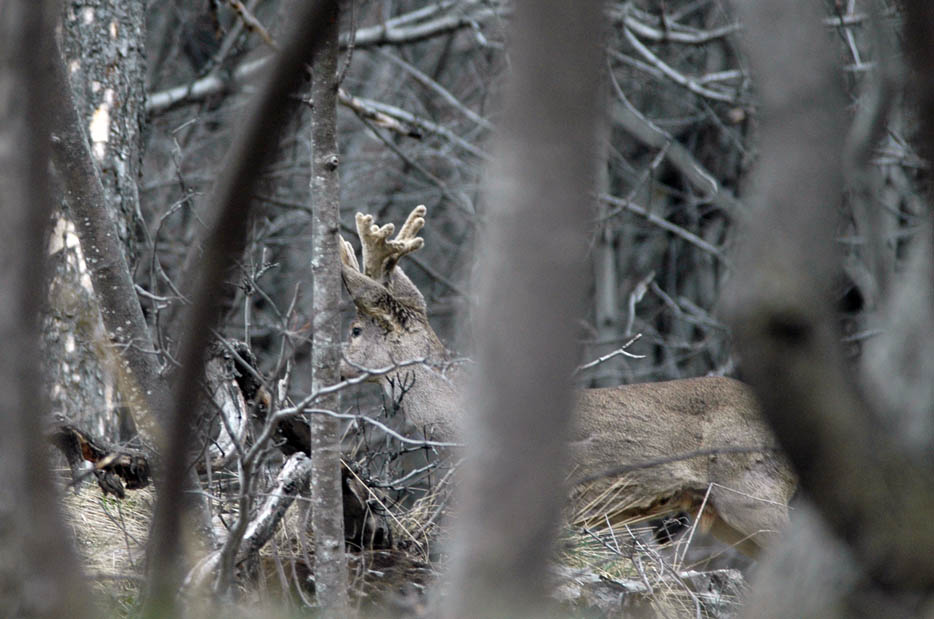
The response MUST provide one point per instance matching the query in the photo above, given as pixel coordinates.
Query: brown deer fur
(744, 492)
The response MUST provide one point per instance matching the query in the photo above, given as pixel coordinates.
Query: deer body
(635, 424)
(744, 493)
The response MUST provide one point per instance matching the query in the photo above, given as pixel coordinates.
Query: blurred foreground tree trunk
(39, 574)
(872, 492)
(540, 208)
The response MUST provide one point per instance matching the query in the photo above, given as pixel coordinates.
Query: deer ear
(373, 299)
(405, 291)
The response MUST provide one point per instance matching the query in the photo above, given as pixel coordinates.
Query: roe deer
(744, 493)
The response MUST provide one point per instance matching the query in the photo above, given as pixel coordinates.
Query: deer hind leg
(745, 543)
(749, 515)
(709, 520)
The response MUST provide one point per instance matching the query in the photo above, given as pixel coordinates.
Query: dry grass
(595, 563)
(110, 536)
(615, 569)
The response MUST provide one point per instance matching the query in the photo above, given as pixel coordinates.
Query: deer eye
(356, 331)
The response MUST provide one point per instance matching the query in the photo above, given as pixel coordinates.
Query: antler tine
(348, 255)
(380, 253)
(372, 242)
(413, 224)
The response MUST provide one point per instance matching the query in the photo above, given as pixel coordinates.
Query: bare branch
(628, 205)
(400, 31)
(619, 351)
(438, 89)
(677, 77)
(379, 119)
(425, 125)
(252, 23)
(644, 130)
(292, 478)
(384, 115)
(231, 201)
(673, 32)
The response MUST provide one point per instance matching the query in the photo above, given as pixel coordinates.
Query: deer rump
(696, 445)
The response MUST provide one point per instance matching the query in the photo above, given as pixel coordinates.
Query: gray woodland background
(679, 126)
(162, 89)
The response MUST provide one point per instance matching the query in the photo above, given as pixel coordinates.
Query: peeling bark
(103, 42)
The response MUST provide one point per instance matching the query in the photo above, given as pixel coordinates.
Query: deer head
(391, 326)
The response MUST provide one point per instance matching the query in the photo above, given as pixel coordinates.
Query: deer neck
(429, 392)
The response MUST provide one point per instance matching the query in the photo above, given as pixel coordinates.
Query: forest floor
(597, 572)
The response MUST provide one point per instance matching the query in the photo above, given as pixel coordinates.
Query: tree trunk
(135, 369)
(606, 281)
(230, 201)
(531, 291)
(103, 43)
(39, 574)
(327, 506)
(98, 37)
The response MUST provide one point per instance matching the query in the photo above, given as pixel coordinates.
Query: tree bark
(99, 36)
(137, 368)
(103, 41)
(39, 573)
(607, 313)
(531, 290)
(326, 497)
